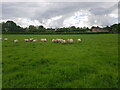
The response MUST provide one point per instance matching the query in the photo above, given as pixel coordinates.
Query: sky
(60, 14)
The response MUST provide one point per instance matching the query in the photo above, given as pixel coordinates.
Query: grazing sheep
(31, 39)
(0, 38)
(53, 40)
(63, 41)
(26, 40)
(16, 41)
(43, 40)
(70, 41)
(78, 40)
(34, 40)
(5, 39)
(57, 40)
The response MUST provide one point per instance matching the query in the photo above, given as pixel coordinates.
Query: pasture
(93, 63)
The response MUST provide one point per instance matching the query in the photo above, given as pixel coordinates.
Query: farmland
(90, 64)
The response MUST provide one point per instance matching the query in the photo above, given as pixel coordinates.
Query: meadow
(93, 63)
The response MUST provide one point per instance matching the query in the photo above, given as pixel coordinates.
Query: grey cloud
(103, 10)
(45, 11)
(55, 9)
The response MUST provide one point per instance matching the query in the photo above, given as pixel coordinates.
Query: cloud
(24, 22)
(62, 14)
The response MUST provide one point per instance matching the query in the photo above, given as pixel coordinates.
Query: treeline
(11, 27)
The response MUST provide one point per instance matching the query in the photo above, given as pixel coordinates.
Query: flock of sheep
(57, 40)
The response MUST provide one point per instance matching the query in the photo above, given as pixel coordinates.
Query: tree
(115, 28)
(32, 28)
(41, 28)
(11, 26)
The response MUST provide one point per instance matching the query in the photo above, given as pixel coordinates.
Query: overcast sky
(61, 14)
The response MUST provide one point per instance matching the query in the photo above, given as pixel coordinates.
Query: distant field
(90, 64)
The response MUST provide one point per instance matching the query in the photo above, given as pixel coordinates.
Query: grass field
(90, 64)
(0, 63)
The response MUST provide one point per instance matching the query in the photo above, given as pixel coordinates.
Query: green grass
(90, 64)
(0, 63)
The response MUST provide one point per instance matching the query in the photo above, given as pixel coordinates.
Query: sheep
(5, 39)
(0, 38)
(31, 39)
(43, 40)
(56, 40)
(78, 40)
(70, 41)
(16, 41)
(26, 40)
(34, 40)
(59, 40)
(53, 40)
(63, 41)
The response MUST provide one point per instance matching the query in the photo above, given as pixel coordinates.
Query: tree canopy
(12, 27)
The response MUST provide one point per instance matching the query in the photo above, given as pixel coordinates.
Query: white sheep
(56, 40)
(31, 39)
(59, 40)
(26, 40)
(70, 41)
(0, 38)
(16, 41)
(63, 41)
(53, 40)
(34, 40)
(5, 39)
(43, 40)
(78, 40)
